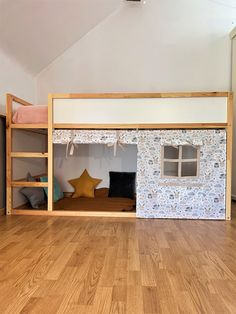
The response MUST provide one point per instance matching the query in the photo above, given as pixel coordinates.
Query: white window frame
(180, 160)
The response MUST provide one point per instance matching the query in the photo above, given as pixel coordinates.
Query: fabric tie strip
(71, 145)
(117, 143)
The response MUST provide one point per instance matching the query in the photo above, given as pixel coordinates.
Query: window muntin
(180, 161)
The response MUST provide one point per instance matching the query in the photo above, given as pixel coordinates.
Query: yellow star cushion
(84, 185)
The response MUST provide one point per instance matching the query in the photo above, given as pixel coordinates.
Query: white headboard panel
(140, 110)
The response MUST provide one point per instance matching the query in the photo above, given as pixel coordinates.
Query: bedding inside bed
(31, 115)
(101, 202)
(115, 204)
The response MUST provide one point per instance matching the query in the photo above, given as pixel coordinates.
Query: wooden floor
(116, 265)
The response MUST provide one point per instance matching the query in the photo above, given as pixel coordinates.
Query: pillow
(122, 184)
(35, 195)
(84, 185)
(57, 193)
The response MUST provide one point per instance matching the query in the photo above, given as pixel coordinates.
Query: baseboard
(2, 211)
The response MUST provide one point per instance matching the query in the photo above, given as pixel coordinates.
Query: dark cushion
(35, 195)
(122, 184)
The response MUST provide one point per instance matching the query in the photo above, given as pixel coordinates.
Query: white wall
(14, 80)
(98, 159)
(163, 46)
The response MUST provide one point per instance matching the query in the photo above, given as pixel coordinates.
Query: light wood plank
(28, 184)
(50, 154)
(141, 126)
(28, 155)
(141, 95)
(65, 212)
(20, 101)
(8, 151)
(80, 265)
(229, 155)
(58, 265)
(29, 126)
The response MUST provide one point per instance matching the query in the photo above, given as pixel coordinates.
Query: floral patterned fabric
(202, 197)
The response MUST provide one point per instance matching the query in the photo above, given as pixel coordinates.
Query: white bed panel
(141, 110)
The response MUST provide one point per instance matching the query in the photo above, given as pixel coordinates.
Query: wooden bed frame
(40, 128)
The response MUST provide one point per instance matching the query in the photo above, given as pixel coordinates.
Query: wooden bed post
(229, 155)
(9, 149)
(50, 153)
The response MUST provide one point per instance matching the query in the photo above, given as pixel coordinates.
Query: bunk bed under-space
(184, 148)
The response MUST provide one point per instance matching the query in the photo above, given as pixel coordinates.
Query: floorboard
(117, 265)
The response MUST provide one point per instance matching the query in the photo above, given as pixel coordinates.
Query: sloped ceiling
(35, 32)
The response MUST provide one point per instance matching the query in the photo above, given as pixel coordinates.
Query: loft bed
(153, 112)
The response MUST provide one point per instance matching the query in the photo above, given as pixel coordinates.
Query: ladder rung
(29, 126)
(28, 155)
(28, 184)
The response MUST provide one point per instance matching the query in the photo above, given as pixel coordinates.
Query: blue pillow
(58, 194)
